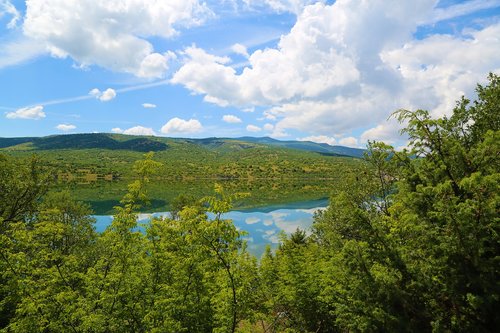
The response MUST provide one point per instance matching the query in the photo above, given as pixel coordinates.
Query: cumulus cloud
(268, 127)
(253, 128)
(153, 65)
(117, 130)
(65, 127)
(107, 95)
(103, 96)
(435, 81)
(349, 65)
(320, 139)
(385, 132)
(240, 49)
(279, 133)
(34, 112)
(111, 34)
(349, 141)
(177, 125)
(139, 130)
(148, 105)
(229, 118)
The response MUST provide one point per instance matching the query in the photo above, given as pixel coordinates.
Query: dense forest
(411, 244)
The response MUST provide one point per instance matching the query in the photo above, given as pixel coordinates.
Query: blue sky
(323, 71)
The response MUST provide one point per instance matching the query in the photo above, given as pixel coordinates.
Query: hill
(149, 143)
(322, 148)
(84, 141)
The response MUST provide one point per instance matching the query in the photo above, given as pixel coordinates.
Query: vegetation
(149, 143)
(189, 161)
(272, 175)
(410, 244)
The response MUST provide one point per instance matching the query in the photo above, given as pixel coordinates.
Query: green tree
(48, 264)
(447, 211)
(412, 243)
(22, 184)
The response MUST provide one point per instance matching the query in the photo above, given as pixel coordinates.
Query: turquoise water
(263, 225)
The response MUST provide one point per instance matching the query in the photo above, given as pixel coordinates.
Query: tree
(412, 243)
(447, 211)
(22, 185)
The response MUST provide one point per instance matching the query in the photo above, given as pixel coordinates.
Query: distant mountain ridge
(152, 143)
(323, 148)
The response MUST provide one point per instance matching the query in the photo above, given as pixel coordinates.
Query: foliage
(409, 243)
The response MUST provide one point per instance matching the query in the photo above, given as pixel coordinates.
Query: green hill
(149, 143)
(89, 157)
(322, 148)
(85, 141)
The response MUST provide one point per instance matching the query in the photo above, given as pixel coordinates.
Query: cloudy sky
(326, 71)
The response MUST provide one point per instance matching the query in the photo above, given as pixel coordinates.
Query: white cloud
(34, 112)
(349, 65)
(95, 92)
(104, 96)
(268, 127)
(253, 128)
(319, 139)
(349, 141)
(153, 65)
(139, 130)
(279, 133)
(293, 6)
(65, 127)
(111, 33)
(177, 125)
(229, 118)
(240, 49)
(461, 9)
(435, 80)
(18, 51)
(387, 132)
(252, 109)
(148, 105)
(117, 130)
(7, 8)
(108, 95)
(211, 74)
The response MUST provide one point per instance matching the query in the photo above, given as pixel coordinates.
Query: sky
(323, 71)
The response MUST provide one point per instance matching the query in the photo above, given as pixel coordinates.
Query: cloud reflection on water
(263, 227)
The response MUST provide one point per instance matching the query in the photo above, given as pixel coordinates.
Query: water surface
(263, 224)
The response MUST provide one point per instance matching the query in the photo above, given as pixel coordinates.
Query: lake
(261, 193)
(263, 224)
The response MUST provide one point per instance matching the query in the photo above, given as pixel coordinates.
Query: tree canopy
(409, 243)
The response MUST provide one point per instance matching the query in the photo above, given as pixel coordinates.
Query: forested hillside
(210, 159)
(150, 143)
(409, 245)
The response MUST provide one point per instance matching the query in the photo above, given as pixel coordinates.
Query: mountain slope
(86, 141)
(148, 143)
(307, 146)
